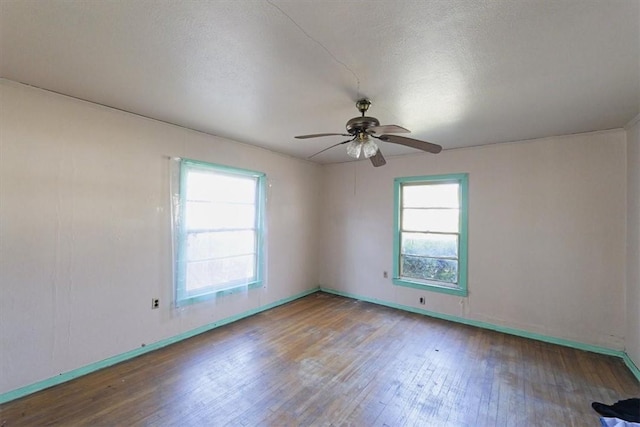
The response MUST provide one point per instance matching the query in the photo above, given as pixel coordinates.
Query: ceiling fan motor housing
(361, 124)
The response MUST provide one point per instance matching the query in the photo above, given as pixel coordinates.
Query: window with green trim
(430, 242)
(220, 232)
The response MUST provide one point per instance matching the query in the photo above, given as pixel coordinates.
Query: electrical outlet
(422, 301)
(155, 303)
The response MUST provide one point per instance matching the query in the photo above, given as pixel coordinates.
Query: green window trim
(182, 295)
(460, 288)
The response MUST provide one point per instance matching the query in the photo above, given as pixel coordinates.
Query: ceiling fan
(363, 129)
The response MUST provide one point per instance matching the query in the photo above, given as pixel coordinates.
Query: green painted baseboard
(632, 366)
(511, 331)
(67, 376)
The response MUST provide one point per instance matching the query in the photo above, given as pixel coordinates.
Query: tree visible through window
(219, 229)
(430, 247)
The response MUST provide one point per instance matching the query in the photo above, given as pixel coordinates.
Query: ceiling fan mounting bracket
(363, 105)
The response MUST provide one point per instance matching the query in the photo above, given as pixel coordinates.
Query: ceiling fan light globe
(369, 148)
(354, 148)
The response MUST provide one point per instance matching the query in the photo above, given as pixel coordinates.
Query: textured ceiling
(457, 73)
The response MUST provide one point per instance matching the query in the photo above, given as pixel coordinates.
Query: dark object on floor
(628, 409)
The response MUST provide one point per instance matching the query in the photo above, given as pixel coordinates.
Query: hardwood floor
(328, 360)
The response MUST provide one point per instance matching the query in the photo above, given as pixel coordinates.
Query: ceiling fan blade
(378, 160)
(379, 130)
(334, 145)
(318, 135)
(413, 143)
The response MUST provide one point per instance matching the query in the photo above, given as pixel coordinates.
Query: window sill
(433, 287)
(217, 293)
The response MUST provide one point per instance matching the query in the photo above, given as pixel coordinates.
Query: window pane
(430, 196)
(217, 216)
(217, 187)
(219, 272)
(202, 246)
(442, 270)
(432, 245)
(441, 220)
(218, 227)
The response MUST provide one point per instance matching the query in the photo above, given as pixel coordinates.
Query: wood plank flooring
(327, 360)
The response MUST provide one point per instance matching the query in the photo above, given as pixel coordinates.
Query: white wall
(633, 242)
(546, 234)
(85, 232)
(85, 237)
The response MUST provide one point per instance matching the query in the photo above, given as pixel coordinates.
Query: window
(219, 230)
(430, 242)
